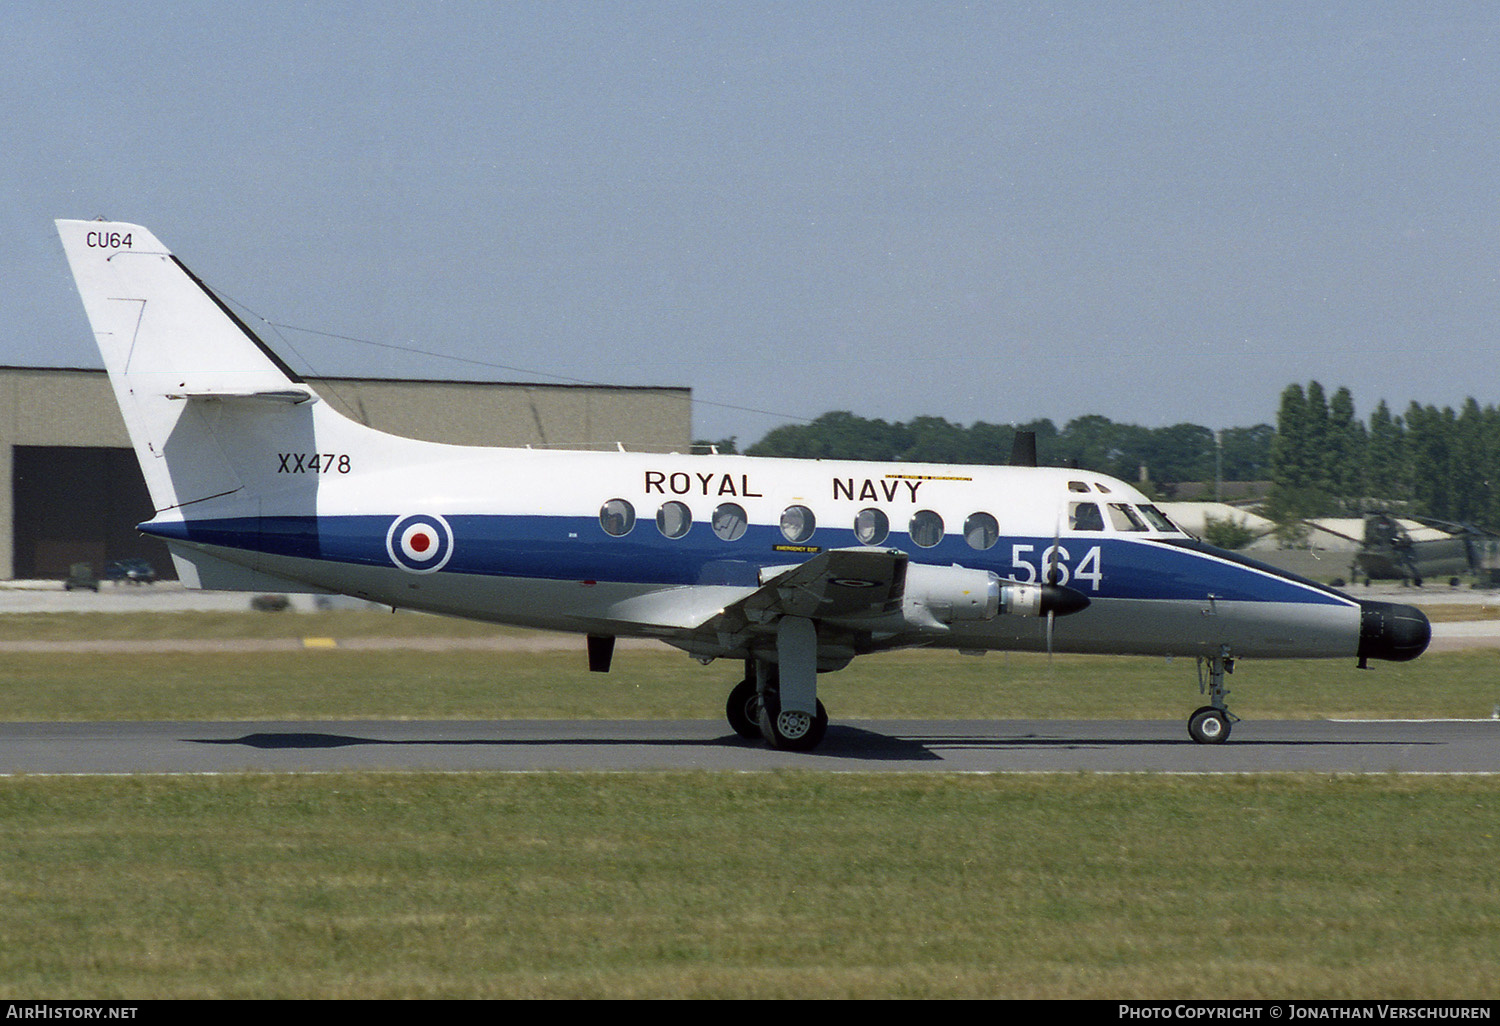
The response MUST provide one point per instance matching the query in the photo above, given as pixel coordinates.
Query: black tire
(788, 734)
(1209, 726)
(743, 709)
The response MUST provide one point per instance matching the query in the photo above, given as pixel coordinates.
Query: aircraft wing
(841, 583)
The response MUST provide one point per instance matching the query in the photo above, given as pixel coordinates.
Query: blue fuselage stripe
(576, 548)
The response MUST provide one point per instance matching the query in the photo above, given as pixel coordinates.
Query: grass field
(761, 885)
(346, 683)
(729, 885)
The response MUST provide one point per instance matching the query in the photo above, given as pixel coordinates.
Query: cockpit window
(1085, 516)
(1123, 518)
(1078, 486)
(1160, 520)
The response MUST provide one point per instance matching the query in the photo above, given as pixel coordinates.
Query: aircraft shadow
(842, 742)
(1064, 743)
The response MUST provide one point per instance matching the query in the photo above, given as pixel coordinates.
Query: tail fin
(167, 341)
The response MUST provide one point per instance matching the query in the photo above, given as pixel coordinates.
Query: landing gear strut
(778, 700)
(1210, 725)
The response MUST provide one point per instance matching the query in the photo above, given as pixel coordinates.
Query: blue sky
(1158, 212)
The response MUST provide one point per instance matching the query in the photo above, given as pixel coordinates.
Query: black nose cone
(1391, 631)
(1062, 600)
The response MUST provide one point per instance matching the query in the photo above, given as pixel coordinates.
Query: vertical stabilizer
(168, 341)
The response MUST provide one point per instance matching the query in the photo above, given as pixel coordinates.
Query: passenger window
(1160, 520)
(797, 523)
(729, 521)
(1123, 518)
(871, 526)
(617, 517)
(1085, 516)
(674, 519)
(981, 531)
(926, 529)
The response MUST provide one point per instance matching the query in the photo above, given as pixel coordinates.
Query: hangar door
(80, 504)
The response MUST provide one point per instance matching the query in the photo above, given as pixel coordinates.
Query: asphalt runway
(1101, 746)
(953, 746)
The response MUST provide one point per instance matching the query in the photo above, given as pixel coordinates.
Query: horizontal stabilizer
(290, 396)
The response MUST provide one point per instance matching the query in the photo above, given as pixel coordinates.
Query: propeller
(1052, 580)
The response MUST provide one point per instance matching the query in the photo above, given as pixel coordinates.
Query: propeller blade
(1053, 576)
(1052, 580)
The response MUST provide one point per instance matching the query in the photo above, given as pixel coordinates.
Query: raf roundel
(419, 542)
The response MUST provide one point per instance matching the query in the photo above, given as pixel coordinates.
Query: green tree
(1316, 447)
(1247, 452)
(1298, 480)
(1182, 452)
(1346, 443)
(1389, 480)
(839, 435)
(1472, 495)
(1430, 437)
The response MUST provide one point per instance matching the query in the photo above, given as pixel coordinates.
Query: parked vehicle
(130, 571)
(81, 575)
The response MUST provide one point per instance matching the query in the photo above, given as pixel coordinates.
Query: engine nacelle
(1021, 599)
(949, 594)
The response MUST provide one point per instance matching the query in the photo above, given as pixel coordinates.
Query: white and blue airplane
(792, 567)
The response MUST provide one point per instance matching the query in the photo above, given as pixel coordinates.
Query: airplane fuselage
(571, 540)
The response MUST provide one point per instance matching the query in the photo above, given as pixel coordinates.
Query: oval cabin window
(617, 517)
(797, 523)
(981, 531)
(729, 521)
(926, 528)
(871, 526)
(674, 519)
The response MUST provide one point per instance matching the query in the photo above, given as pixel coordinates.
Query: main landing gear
(778, 701)
(1210, 725)
(755, 714)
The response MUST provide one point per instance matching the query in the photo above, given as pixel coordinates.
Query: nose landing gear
(1210, 725)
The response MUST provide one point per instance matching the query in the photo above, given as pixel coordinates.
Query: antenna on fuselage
(1023, 449)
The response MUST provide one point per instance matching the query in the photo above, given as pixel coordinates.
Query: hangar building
(75, 492)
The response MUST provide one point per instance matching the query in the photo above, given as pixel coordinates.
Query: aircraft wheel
(743, 709)
(1209, 726)
(791, 732)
